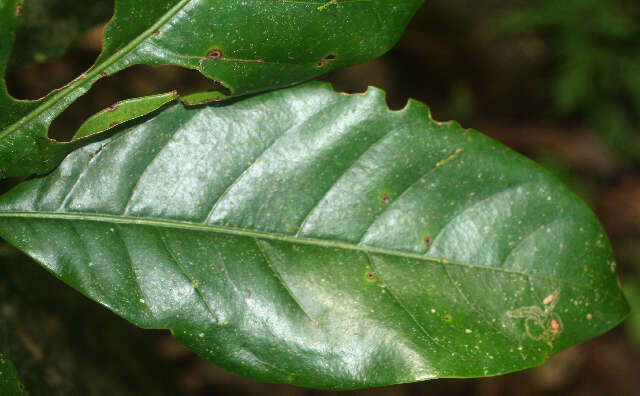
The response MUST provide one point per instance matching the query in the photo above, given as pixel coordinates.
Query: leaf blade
(308, 237)
(260, 46)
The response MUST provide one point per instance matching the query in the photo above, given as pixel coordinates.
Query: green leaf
(9, 382)
(121, 112)
(309, 237)
(248, 47)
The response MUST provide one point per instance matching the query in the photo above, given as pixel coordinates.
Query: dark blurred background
(558, 81)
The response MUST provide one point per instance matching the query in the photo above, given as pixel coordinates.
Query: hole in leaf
(214, 54)
(324, 61)
(371, 275)
(378, 73)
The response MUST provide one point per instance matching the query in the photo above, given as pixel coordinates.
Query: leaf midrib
(270, 236)
(94, 70)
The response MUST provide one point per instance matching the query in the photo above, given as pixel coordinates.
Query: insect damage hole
(214, 54)
(324, 61)
(384, 198)
(370, 275)
(427, 241)
(141, 80)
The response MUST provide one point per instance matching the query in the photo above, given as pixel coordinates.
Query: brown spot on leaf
(103, 74)
(589, 316)
(385, 198)
(205, 101)
(214, 54)
(427, 241)
(554, 326)
(113, 124)
(446, 318)
(547, 300)
(324, 61)
(18, 11)
(113, 107)
(371, 275)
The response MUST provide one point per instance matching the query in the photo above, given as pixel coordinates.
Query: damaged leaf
(308, 237)
(245, 47)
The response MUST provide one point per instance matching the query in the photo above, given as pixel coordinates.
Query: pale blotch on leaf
(541, 324)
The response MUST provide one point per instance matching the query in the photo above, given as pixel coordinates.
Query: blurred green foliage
(48, 28)
(632, 292)
(593, 53)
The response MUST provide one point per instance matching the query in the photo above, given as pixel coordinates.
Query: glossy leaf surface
(9, 382)
(309, 237)
(247, 47)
